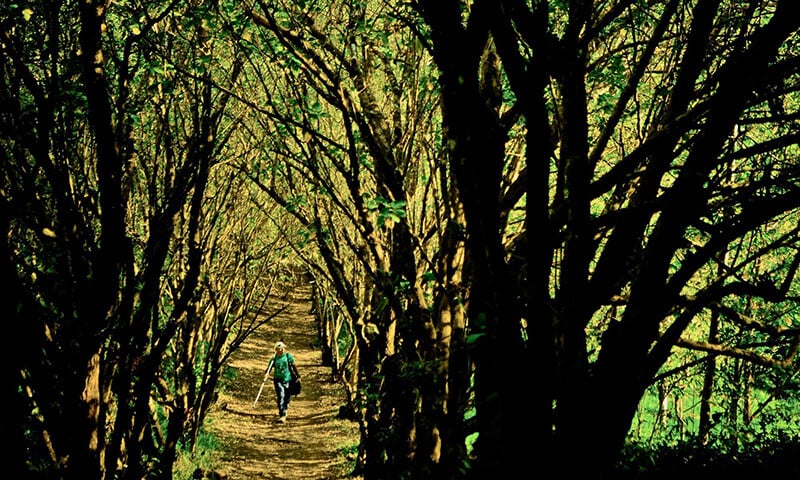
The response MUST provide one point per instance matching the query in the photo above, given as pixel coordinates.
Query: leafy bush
(760, 461)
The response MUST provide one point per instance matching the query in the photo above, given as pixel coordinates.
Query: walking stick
(266, 375)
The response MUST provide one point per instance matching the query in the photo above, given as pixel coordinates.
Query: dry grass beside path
(311, 445)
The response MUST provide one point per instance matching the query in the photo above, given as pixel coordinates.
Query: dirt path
(313, 444)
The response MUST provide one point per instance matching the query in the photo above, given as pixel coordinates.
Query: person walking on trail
(282, 366)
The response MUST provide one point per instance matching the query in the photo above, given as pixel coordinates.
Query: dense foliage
(167, 163)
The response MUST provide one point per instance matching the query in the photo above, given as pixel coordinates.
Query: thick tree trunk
(85, 453)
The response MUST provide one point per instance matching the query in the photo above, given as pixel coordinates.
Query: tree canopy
(168, 165)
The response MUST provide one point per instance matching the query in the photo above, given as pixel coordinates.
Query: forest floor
(313, 444)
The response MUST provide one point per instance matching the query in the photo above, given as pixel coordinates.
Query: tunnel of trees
(168, 164)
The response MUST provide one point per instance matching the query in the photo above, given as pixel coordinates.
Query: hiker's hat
(280, 345)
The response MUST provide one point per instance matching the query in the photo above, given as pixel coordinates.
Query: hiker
(282, 366)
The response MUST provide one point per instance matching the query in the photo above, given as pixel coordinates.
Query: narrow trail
(313, 443)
